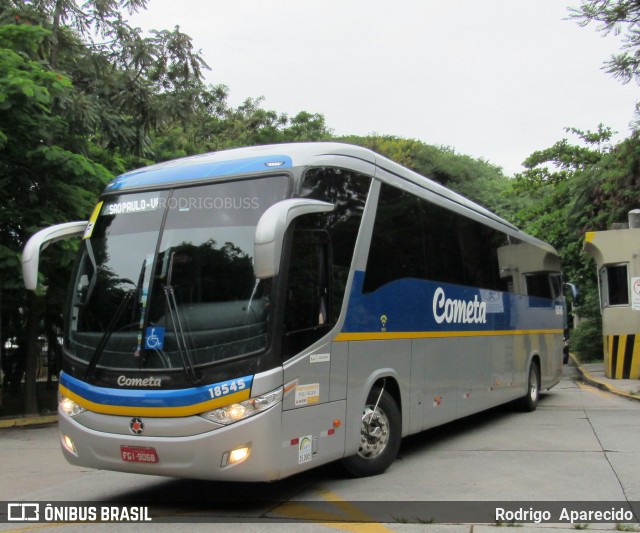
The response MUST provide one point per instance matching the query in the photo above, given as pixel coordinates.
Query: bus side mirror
(572, 290)
(39, 241)
(271, 228)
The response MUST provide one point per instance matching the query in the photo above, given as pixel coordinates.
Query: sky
(493, 79)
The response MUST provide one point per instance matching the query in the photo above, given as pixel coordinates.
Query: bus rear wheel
(529, 402)
(380, 435)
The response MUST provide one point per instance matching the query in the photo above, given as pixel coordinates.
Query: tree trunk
(31, 355)
(2, 355)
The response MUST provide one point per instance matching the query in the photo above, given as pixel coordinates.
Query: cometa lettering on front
(124, 381)
(454, 311)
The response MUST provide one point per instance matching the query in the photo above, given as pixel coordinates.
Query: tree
(84, 96)
(41, 182)
(618, 17)
(552, 197)
(124, 84)
(220, 127)
(571, 188)
(476, 179)
(78, 87)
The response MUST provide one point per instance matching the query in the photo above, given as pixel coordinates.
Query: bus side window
(546, 285)
(427, 241)
(397, 247)
(556, 285)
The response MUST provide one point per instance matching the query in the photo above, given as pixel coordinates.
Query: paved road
(581, 444)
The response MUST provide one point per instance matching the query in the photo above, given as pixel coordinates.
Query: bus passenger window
(429, 242)
(541, 285)
(397, 234)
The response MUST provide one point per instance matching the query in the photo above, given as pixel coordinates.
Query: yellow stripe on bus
(389, 335)
(128, 410)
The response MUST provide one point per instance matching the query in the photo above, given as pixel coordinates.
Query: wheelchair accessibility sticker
(154, 338)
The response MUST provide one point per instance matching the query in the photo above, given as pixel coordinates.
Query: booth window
(614, 285)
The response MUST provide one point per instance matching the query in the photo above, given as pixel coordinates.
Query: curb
(587, 377)
(27, 421)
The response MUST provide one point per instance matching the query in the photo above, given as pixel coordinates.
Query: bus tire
(529, 402)
(380, 435)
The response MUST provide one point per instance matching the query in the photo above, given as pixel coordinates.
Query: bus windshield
(165, 279)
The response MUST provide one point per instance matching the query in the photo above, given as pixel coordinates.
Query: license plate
(138, 454)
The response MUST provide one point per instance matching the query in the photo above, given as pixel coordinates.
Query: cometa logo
(124, 381)
(458, 311)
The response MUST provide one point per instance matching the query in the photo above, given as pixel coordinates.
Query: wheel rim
(533, 385)
(374, 434)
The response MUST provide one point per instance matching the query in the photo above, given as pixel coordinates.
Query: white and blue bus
(253, 313)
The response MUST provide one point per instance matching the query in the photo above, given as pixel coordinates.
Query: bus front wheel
(380, 435)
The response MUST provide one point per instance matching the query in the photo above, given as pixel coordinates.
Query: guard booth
(617, 256)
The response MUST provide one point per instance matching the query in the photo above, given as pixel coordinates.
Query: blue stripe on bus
(153, 398)
(195, 168)
(407, 305)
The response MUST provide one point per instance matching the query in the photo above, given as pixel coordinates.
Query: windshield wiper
(107, 334)
(181, 341)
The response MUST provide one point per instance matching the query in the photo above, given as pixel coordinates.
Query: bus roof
(263, 158)
(235, 161)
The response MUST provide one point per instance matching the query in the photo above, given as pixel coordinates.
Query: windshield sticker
(307, 394)
(132, 206)
(154, 339)
(92, 221)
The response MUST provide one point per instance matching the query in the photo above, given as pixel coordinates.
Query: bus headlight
(239, 411)
(68, 406)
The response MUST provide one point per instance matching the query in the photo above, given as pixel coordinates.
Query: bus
(249, 314)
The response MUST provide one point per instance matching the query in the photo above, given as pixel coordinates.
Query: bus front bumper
(245, 451)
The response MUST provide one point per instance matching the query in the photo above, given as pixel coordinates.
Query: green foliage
(550, 199)
(617, 17)
(586, 339)
(125, 85)
(474, 178)
(40, 181)
(569, 189)
(84, 96)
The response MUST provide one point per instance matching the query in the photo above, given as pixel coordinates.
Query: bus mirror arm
(571, 289)
(39, 241)
(272, 227)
